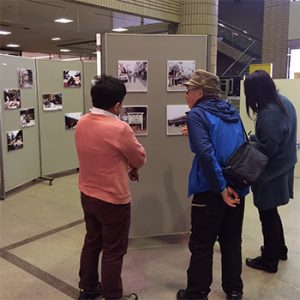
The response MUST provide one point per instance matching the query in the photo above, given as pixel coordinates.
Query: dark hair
(260, 90)
(106, 91)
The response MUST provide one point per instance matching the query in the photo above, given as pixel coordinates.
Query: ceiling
(31, 23)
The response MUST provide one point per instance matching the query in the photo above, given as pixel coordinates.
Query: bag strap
(246, 135)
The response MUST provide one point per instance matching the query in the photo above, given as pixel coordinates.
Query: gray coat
(276, 138)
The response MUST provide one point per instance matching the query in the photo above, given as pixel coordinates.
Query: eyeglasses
(188, 90)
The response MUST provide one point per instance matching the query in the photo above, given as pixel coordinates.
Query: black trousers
(212, 218)
(274, 242)
(107, 229)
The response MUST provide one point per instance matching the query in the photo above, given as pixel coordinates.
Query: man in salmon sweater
(108, 154)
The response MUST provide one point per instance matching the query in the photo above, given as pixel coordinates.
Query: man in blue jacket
(215, 132)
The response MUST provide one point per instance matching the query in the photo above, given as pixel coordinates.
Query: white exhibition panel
(160, 204)
(58, 153)
(20, 164)
(287, 87)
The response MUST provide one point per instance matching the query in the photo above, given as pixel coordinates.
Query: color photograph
(134, 74)
(71, 119)
(72, 79)
(27, 118)
(52, 102)
(176, 118)
(25, 79)
(136, 117)
(14, 140)
(178, 73)
(12, 99)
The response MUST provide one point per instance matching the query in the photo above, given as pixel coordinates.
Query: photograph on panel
(52, 102)
(72, 79)
(178, 72)
(14, 140)
(25, 79)
(136, 117)
(71, 119)
(27, 118)
(134, 74)
(176, 119)
(12, 99)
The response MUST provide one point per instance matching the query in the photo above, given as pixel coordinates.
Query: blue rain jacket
(215, 132)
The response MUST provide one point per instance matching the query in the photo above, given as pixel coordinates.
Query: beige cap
(207, 80)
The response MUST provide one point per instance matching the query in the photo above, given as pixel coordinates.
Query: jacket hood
(221, 108)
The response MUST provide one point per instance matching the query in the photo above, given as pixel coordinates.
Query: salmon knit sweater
(106, 149)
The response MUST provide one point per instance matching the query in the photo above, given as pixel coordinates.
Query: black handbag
(245, 165)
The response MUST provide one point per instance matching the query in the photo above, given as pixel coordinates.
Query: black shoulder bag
(245, 165)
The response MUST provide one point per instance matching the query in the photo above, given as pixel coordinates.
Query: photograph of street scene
(134, 74)
(178, 73)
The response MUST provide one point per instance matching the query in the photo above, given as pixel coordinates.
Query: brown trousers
(107, 230)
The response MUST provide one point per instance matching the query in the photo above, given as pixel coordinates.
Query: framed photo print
(134, 73)
(12, 99)
(14, 140)
(27, 118)
(176, 118)
(52, 102)
(136, 117)
(71, 119)
(178, 72)
(72, 79)
(25, 79)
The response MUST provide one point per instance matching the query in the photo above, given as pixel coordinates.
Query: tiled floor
(41, 239)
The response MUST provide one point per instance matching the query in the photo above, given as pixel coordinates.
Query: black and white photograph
(179, 72)
(25, 79)
(12, 99)
(72, 79)
(71, 119)
(52, 102)
(134, 74)
(14, 140)
(136, 117)
(27, 118)
(176, 118)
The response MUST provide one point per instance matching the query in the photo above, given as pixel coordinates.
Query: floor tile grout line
(40, 274)
(41, 235)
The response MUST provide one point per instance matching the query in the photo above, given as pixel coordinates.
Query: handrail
(253, 42)
(248, 45)
(241, 31)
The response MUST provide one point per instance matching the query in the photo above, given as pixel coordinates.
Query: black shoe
(257, 263)
(234, 295)
(182, 295)
(283, 256)
(90, 295)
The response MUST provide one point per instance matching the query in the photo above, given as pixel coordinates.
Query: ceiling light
(64, 50)
(13, 45)
(120, 29)
(63, 20)
(56, 39)
(3, 32)
(70, 59)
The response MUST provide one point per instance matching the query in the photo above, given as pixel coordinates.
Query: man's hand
(134, 174)
(230, 197)
(184, 130)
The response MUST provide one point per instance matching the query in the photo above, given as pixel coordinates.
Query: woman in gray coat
(275, 133)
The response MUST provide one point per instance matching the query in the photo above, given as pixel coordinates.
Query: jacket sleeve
(132, 150)
(201, 145)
